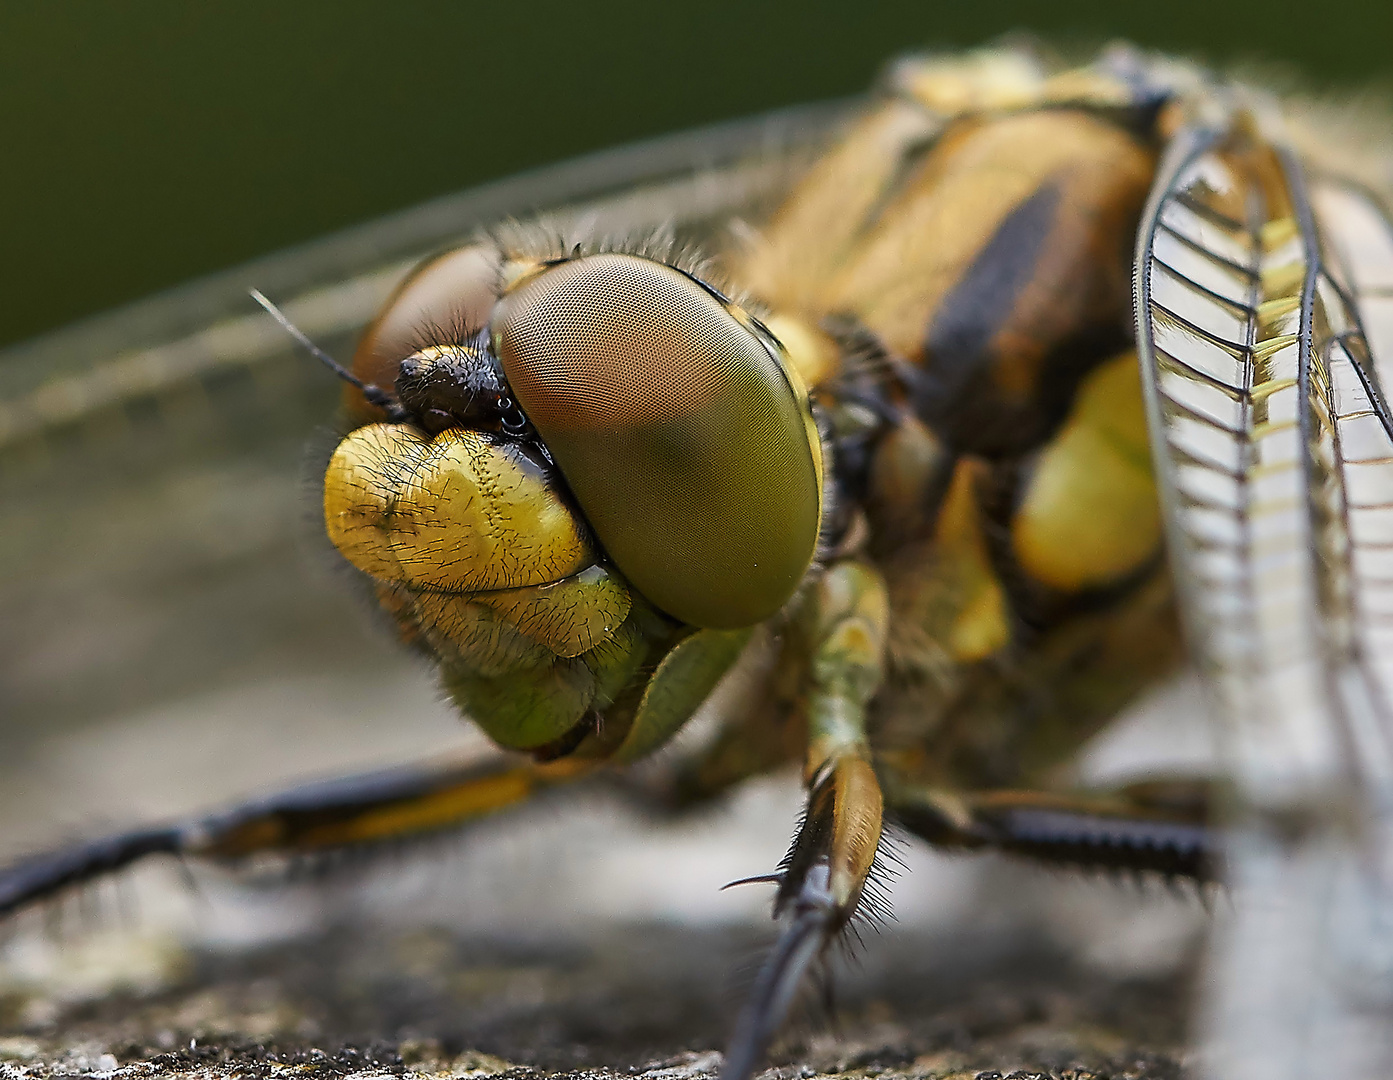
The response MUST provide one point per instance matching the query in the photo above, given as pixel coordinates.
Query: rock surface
(626, 1000)
(570, 940)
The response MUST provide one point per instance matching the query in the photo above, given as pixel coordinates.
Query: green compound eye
(684, 435)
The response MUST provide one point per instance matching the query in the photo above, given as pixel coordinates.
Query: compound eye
(679, 427)
(444, 295)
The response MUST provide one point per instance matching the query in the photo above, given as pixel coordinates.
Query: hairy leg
(361, 810)
(1159, 827)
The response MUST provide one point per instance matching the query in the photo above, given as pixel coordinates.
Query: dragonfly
(961, 416)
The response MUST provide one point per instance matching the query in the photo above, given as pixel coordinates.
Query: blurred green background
(146, 143)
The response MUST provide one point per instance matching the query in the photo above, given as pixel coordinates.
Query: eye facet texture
(682, 436)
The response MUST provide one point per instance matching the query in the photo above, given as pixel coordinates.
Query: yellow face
(617, 452)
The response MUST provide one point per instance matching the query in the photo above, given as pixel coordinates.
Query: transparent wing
(157, 508)
(1258, 301)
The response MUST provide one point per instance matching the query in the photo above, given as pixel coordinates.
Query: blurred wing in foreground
(1265, 322)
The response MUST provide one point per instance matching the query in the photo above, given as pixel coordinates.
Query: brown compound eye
(679, 427)
(441, 297)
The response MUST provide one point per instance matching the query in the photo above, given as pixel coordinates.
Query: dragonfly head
(678, 429)
(596, 413)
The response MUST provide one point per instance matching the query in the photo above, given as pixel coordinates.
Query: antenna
(374, 394)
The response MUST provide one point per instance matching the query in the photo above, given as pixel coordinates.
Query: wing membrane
(1274, 449)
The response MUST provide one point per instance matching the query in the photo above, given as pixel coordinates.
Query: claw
(776, 878)
(813, 919)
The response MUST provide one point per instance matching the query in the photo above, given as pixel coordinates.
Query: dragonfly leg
(825, 872)
(374, 807)
(1133, 830)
